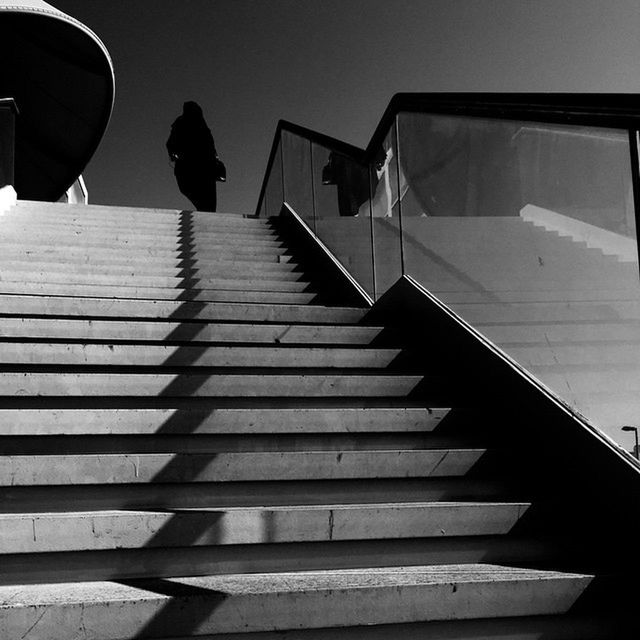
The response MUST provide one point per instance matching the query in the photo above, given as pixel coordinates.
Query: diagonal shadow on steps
(189, 606)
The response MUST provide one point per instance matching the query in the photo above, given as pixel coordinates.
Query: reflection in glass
(385, 215)
(528, 233)
(342, 206)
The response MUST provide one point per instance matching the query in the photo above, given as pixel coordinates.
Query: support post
(8, 112)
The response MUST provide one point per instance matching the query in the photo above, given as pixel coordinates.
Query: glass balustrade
(526, 230)
(528, 233)
(331, 192)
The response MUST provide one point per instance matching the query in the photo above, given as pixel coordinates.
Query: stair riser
(273, 282)
(43, 281)
(178, 268)
(73, 330)
(206, 560)
(559, 627)
(132, 215)
(233, 467)
(117, 238)
(92, 307)
(122, 251)
(142, 227)
(153, 260)
(39, 499)
(225, 443)
(159, 356)
(108, 531)
(146, 293)
(217, 386)
(217, 421)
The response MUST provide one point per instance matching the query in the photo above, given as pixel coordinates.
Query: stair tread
(137, 528)
(20, 304)
(221, 294)
(194, 356)
(371, 506)
(273, 281)
(170, 332)
(194, 421)
(215, 385)
(126, 212)
(110, 468)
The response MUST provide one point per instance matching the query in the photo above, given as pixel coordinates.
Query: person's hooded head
(192, 110)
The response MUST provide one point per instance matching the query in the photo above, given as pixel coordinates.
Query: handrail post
(8, 112)
(634, 148)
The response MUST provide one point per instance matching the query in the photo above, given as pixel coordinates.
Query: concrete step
(57, 498)
(100, 278)
(171, 562)
(163, 271)
(85, 307)
(131, 529)
(246, 466)
(170, 238)
(223, 294)
(130, 215)
(144, 225)
(124, 249)
(282, 601)
(159, 284)
(45, 422)
(200, 443)
(96, 276)
(154, 261)
(36, 353)
(173, 332)
(124, 385)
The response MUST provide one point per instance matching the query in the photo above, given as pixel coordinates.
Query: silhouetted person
(192, 149)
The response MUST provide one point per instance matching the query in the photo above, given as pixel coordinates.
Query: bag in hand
(220, 171)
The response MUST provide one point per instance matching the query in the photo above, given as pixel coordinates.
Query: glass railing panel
(274, 194)
(342, 206)
(386, 214)
(528, 232)
(298, 178)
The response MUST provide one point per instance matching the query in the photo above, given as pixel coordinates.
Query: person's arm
(173, 148)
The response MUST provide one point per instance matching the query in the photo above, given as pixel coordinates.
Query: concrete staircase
(193, 447)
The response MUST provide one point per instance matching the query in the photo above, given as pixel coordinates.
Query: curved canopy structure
(61, 77)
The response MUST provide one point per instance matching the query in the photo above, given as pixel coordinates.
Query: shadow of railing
(189, 605)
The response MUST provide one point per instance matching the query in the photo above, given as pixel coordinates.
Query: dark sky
(330, 65)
